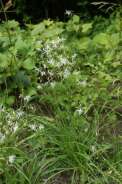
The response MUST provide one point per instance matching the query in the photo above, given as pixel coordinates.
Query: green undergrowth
(61, 102)
(37, 149)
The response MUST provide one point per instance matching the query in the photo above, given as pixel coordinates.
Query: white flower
(27, 98)
(110, 172)
(55, 43)
(36, 127)
(32, 127)
(19, 114)
(93, 148)
(2, 109)
(11, 159)
(63, 61)
(44, 65)
(83, 83)
(47, 49)
(42, 73)
(39, 42)
(68, 12)
(79, 111)
(10, 122)
(66, 73)
(51, 61)
(39, 87)
(62, 39)
(41, 127)
(38, 49)
(86, 130)
(15, 127)
(2, 137)
(74, 56)
(52, 84)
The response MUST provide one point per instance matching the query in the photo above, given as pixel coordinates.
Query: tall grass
(45, 151)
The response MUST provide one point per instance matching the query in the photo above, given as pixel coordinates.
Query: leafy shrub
(43, 55)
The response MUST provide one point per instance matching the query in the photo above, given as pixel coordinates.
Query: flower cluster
(55, 62)
(36, 127)
(11, 124)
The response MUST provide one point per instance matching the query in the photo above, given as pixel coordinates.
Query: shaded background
(36, 10)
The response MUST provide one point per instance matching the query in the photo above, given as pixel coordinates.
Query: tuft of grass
(57, 150)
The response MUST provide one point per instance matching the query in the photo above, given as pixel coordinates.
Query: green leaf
(76, 19)
(28, 64)
(31, 91)
(52, 32)
(86, 27)
(84, 43)
(10, 100)
(39, 28)
(102, 39)
(21, 45)
(22, 79)
(115, 39)
(12, 24)
(3, 61)
(116, 64)
(109, 56)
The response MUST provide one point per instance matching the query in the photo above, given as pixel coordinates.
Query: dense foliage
(54, 53)
(61, 101)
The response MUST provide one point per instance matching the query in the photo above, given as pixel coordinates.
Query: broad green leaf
(28, 64)
(52, 32)
(20, 45)
(115, 39)
(48, 22)
(103, 39)
(76, 19)
(104, 75)
(84, 43)
(10, 100)
(39, 28)
(109, 56)
(86, 27)
(116, 64)
(12, 24)
(22, 79)
(31, 91)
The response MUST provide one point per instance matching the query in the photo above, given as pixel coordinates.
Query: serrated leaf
(84, 43)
